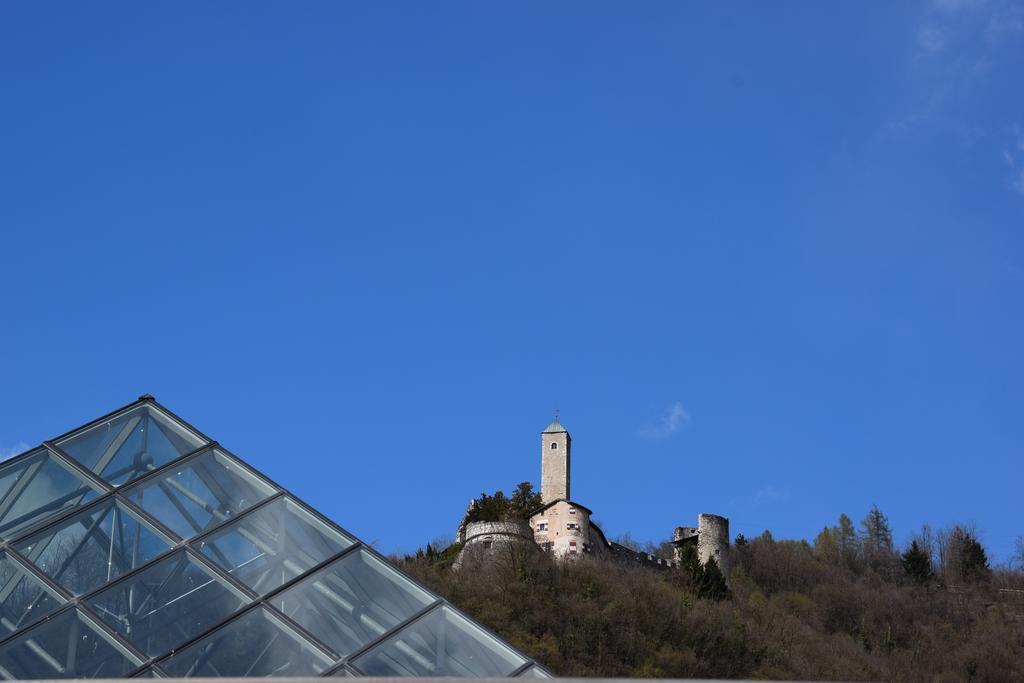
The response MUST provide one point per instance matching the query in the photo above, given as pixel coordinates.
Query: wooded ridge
(848, 606)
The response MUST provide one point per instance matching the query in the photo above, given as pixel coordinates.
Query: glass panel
(23, 597)
(352, 601)
(35, 489)
(130, 444)
(534, 672)
(272, 545)
(254, 644)
(342, 673)
(97, 545)
(442, 643)
(148, 672)
(66, 646)
(167, 603)
(199, 493)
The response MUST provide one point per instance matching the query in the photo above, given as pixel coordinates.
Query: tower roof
(555, 427)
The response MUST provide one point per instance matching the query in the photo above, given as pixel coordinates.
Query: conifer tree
(916, 564)
(689, 563)
(877, 538)
(826, 545)
(846, 542)
(973, 560)
(523, 501)
(711, 584)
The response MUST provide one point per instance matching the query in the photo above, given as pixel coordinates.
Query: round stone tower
(713, 540)
(487, 540)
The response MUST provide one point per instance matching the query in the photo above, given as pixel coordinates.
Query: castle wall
(484, 531)
(634, 558)
(485, 540)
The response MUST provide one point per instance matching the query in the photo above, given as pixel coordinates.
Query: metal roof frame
(110, 493)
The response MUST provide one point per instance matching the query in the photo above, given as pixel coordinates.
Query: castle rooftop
(555, 427)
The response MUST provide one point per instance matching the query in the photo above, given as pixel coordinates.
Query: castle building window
(554, 446)
(572, 511)
(572, 526)
(542, 526)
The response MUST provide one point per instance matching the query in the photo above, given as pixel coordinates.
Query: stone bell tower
(556, 446)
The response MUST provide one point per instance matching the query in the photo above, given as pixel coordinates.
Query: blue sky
(767, 260)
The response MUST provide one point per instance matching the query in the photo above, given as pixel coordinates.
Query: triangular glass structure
(137, 547)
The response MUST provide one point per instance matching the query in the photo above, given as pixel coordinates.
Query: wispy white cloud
(19, 447)
(1013, 157)
(769, 494)
(1018, 183)
(953, 6)
(674, 418)
(931, 38)
(1006, 19)
(958, 47)
(975, 26)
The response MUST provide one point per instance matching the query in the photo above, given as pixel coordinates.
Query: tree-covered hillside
(848, 606)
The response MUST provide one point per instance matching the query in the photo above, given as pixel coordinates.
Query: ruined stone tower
(711, 536)
(556, 445)
(713, 540)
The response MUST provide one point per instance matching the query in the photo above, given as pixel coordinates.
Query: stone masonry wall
(481, 530)
(555, 464)
(551, 530)
(486, 539)
(713, 540)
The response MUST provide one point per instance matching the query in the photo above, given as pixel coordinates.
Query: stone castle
(564, 528)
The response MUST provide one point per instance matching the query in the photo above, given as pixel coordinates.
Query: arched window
(554, 445)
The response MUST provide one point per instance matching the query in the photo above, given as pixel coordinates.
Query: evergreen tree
(741, 548)
(479, 510)
(877, 538)
(703, 580)
(916, 564)
(839, 544)
(846, 542)
(876, 529)
(523, 501)
(826, 545)
(711, 584)
(688, 560)
(973, 560)
(497, 507)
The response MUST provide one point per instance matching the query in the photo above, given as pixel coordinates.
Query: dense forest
(848, 606)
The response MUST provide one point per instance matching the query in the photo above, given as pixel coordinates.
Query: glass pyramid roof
(137, 547)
